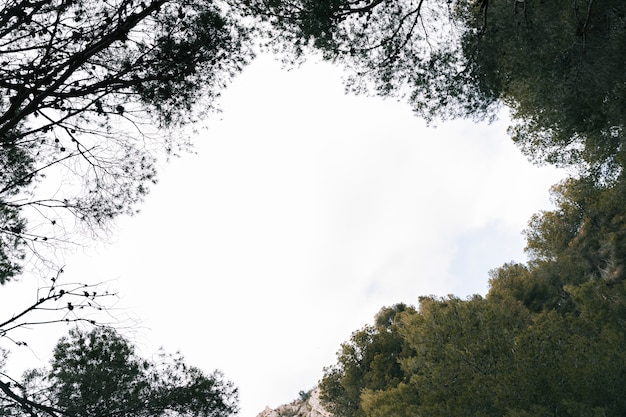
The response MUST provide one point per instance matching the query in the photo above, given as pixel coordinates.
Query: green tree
(557, 65)
(494, 357)
(61, 302)
(572, 364)
(514, 281)
(98, 373)
(389, 46)
(91, 92)
(582, 239)
(464, 351)
(587, 230)
(370, 360)
(547, 340)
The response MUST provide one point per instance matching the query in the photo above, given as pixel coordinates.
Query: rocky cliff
(307, 406)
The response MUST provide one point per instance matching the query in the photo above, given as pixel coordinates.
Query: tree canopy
(558, 66)
(546, 340)
(91, 93)
(369, 360)
(98, 374)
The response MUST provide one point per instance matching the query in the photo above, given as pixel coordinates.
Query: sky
(302, 213)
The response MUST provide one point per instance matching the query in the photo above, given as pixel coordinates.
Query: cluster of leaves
(546, 340)
(90, 93)
(398, 47)
(557, 65)
(98, 373)
(371, 360)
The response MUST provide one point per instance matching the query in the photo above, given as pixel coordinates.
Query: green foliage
(391, 47)
(557, 65)
(573, 361)
(17, 166)
(98, 373)
(12, 249)
(585, 235)
(516, 282)
(463, 348)
(494, 357)
(371, 359)
(304, 395)
(582, 240)
(547, 340)
(399, 401)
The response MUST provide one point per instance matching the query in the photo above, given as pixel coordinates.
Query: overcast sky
(303, 213)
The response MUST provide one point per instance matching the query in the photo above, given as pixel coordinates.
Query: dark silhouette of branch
(65, 299)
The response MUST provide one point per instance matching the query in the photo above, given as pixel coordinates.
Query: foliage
(98, 373)
(557, 65)
(369, 360)
(91, 93)
(587, 230)
(58, 303)
(304, 395)
(393, 46)
(493, 357)
(546, 340)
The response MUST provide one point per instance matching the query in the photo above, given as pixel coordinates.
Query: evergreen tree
(98, 374)
(557, 65)
(91, 92)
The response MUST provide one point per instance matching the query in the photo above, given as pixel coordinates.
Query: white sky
(304, 212)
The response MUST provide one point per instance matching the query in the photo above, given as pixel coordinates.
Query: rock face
(309, 406)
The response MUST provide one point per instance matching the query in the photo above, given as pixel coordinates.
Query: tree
(557, 65)
(494, 357)
(58, 303)
(370, 360)
(464, 350)
(515, 281)
(581, 240)
(98, 373)
(546, 340)
(395, 47)
(585, 234)
(91, 93)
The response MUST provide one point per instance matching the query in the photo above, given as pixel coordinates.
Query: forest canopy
(547, 339)
(558, 65)
(93, 93)
(97, 373)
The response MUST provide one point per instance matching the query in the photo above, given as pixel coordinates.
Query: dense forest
(95, 92)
